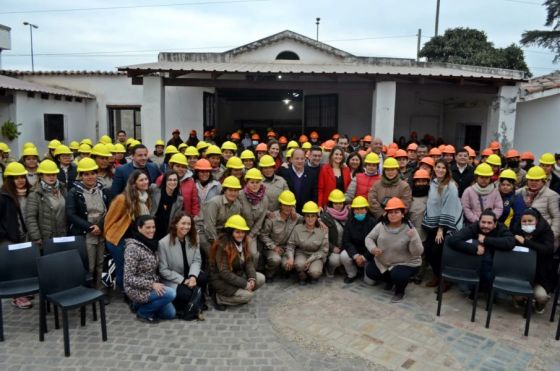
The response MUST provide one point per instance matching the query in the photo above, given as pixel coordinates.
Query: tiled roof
(63, 72)
(10, 83)
(542, 83)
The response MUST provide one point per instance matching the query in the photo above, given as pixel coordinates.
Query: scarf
(341, 215)
(21, 192)
(389, 182)
(255, 197)
(142, 199)
(54, 189)
(530, 196)
(150, 243)
(97, 187)
(482, 191)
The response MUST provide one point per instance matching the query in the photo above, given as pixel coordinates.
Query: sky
(105, 34)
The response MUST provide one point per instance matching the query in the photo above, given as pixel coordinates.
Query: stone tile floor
(327, 326)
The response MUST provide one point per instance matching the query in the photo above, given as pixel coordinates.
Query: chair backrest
(458, 259)
(60, 271)
(18, 261)
(59, 244)
(519, 263)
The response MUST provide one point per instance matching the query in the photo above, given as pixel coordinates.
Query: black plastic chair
(514, 273)
(459, 267)
(62, 282)
(555, 300)
(18, 273)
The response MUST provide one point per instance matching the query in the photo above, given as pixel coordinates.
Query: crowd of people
(187, 222)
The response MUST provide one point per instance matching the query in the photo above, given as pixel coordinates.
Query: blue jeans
(158, 306)
(117, 252)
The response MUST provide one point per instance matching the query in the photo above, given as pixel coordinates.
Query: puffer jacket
(472, 207)
(40, 218)
(380, 194)
(140, 270)
(76, 209)
(547, 203)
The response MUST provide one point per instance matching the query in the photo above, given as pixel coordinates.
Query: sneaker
(539, 307)
(350, 279)
(150, 320)
(22, 303)
(397, 298)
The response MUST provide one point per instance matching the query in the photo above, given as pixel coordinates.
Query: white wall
(537, 126)
(268, 53)
(184, 109)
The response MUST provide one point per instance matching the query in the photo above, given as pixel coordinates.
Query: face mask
(255, 142)
(528, 228)
(513, 164)
(360, 217)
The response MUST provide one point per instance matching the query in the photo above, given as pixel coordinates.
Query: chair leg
(66, 333)
(528, 310)
(94, 311)
(1, 322)
(439, 296)
(558, 331)
(103, 321)
(48, 307)
(56, 322)
(554, 303)
(42, 319)
(489, 308)
(82, 316)
(475, 301)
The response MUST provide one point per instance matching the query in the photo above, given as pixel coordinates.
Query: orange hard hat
(255, 137)
(303, 138)
(528, 156)
(391, 152)
(512, 153)
(412, 147)
(400, 153)
(471, 152)
(428, 161)
(367, 138)
(314, 135)
(282, 140)
(441, 147)
(203, 165)
(421, 174)
(354, 138)
(328, 145)
(394, 203)
(235, 136)
(384, 148)
(487, 152)
(271, 134)
(393, 145)
(261, 147)
(449, 149)
(434, 152)
(495, 145)
(335, 136)
(207, 133)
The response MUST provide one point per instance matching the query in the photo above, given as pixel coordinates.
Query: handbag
(193, 309)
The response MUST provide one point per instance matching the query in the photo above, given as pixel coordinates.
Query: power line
(523, 2)
(130, 7)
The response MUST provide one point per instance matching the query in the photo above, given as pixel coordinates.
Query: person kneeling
(151, 299)
(233, 278)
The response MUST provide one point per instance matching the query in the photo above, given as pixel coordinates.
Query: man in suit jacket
(301, 180)
(139, 162)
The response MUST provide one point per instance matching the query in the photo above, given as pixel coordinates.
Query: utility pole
(437, 18)
(31, 27)
(419, 34)
(317, 20)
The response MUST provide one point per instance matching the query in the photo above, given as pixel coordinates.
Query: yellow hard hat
(119, 148)
(134, 143)
(547, 159)
(101, 150)
(236, 221)
(292, 144)
(494, 160)
(287, 198)
(84, 148)
(359, 202)
(105, 139)
(4, 147)
(247, 155)
(110, 147)
(29, 145)
(337, 196)
(310, 207)
(229, 145)
(201, 145)
(90, 142)
(30, 151)
(390, 163)
(160, 142)
(170, 149)
(87, 164)
(179, 158)
(128, 141)
(483, 170)
(306, 145)
(267, 161)
(74, 145)
(62, 150)
(254, 174)
(372, 158)
(192, 151)
(48, 167)
(508, 174)
(15, 169)
(231, 182)
(54, 143)
(536, 173)
(213, 150)
(181, 146)
(234, 163)
(289, 153)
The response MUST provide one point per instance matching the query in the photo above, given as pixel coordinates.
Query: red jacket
(327, 182)
(189, 192)
(364, 184)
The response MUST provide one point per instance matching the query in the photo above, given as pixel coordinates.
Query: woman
(261, 149)
(390, 185)
(254, 208)
(334, 216)
(86, 205)
(308, 246)
(45, 214)
(192, 155)
(427, 164)
(229, 149)
(420, 190)
(533, 231)
(170, 150)
(180, 262)
(355, 164)
(481, 195)
(63, 159)
(396, 248)
(362, 182)
(513, 203)
(274, 151)
(128, 206)
(334, 175)
(13, 200)
(30, 160)
(166, 202)
(248, 159)
(233, 278)
(274, 184)
(118, 154)
(206, 188)
(151, 299)
(234, 167)
(102, 156)
(443, 216)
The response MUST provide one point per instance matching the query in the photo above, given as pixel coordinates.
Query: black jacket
(463, 180)
(11, 216)
(76, 211)
(308, 189)
(499, 239)
(69, 178)
(354, 236)
(555, 183)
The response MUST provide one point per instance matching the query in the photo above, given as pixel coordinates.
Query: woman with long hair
(274, 151)
(134, 202)
(334, 175)
(233, 277)
(355, 164)
(166, 202)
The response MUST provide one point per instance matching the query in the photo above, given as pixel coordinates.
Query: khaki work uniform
(274, 187)
(276, 232)
(308, 246)
(216, 212)
(254, 216)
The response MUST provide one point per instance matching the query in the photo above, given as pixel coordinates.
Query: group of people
(184, 222)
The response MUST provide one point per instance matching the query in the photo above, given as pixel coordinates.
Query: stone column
(152, 113)
(501, 117)
(383, 110)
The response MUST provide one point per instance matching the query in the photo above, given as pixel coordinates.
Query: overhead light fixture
(286, 101)
(295, 95)
(279, 77)
(290, 107)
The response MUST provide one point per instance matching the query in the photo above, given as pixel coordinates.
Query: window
(288, 55)
(209, 119)
(125, 118)
(321, 113)
(54, 126)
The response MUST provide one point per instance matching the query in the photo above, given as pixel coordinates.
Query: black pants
(433, 251)
(184, 293)
(399, 275)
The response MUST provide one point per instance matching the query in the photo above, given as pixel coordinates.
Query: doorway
(473, 136)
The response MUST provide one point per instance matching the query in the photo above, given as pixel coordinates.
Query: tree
(470, 46)
(546, 39)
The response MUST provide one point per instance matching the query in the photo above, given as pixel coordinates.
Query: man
(343, 142)
(157, 156)
(355, 147)
(193, 139)
(313, 162)
(377, 147)
(513, 162)
(300, 179)
(121, 137)
(461, 171)
(548, 162)
(421, 152)
(483, 238)
(175, 139)
(139, 162)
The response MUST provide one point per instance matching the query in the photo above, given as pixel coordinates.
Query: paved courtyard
(327, 326)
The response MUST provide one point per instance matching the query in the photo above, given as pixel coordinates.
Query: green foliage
(470, 46)
(10, 130)
(546, 39)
